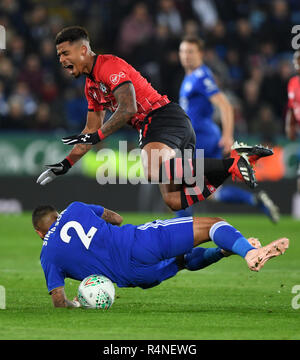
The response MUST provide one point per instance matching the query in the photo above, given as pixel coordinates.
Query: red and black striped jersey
(108, 73)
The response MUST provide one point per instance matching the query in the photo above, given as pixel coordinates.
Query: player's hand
(76, 302)
(226, 142)
(53, 171)
(88, 139)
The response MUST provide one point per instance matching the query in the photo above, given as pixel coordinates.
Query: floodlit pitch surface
(223, 301)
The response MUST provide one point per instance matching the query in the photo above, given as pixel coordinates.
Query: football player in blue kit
(198, 95)
(86, 239)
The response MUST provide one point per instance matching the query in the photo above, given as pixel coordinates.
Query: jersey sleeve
(80, 208)
(115, 72)
(54, 276)
(97, 209)
(92, 104)
(206, 84)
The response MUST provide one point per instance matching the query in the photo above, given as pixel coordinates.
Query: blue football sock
(228, 238)
(235, 195)
(200, 257)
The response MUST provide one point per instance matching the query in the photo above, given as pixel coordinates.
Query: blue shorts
(155, 249)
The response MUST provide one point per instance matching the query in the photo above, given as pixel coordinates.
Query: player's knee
(214, 220)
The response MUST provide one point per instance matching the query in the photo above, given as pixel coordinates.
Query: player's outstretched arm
(93, 123)
(226, 111)
(59, 298)
(125, 97)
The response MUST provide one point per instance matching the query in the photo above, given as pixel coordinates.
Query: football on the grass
(96, 292)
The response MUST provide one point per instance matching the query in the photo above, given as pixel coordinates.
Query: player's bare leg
(153, 155)
(231, 240)
(160, 162)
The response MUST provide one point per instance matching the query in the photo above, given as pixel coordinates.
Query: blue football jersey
(195, 91)
(80, 243)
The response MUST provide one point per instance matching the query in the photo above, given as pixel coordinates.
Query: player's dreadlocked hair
(41, 211)
(71, 33)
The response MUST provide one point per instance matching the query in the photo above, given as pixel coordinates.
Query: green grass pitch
(223, 301)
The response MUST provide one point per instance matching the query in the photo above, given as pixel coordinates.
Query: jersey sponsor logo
(115, 78)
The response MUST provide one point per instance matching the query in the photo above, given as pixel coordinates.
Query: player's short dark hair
(39, 212)
(72, 33)
(194, 40)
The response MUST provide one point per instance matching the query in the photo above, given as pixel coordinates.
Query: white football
(96, 292)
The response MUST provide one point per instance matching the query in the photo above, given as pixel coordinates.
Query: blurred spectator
(266, 124)
(243, 40)
(32, 73)
(7, 73)
(38, 25)
(218, 66)
(169, 15)
(206, 13)
(251, 103)
(278, 24)
(274, 87)
(191, 28)
(4, 109)
(235, 69)
(75, 108)
(22, 92)
(16, 50)
(218, 39)
(49, 89)
(16, 118)
(247, 47)
(42, 119)
(48, 56)
(135, 29)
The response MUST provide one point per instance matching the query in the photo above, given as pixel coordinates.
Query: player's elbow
(131, 110)
(118, 220)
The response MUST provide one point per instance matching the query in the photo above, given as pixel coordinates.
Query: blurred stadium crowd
(248, 47)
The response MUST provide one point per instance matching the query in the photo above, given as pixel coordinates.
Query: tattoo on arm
(125, 96)
(59, 298)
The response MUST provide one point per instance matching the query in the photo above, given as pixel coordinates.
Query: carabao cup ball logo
(115, 78)
(96, 292)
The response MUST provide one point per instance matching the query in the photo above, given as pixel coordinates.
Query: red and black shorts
(169, 125)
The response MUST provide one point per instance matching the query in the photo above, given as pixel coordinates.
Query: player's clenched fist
(53, 171)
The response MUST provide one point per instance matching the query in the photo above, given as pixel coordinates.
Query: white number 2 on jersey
(85, 238)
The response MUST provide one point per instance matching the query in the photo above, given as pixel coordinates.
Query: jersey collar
(91, 74)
